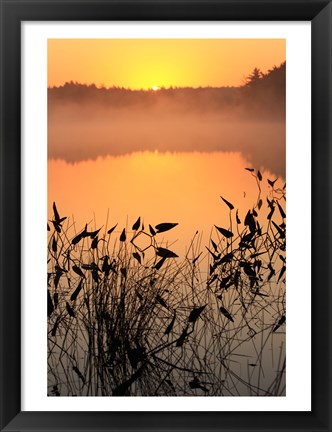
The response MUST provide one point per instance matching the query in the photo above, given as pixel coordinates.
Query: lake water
(183, 188)
(209, 320)
(231, 357)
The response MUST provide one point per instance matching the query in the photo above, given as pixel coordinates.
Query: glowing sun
(155, 88)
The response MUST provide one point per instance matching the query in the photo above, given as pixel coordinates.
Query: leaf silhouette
(224, 232)
(215, 247)
(92, 234)
(94, 243)
(170, 325)
(112, 229)
(260, 294)
(135, 355)
(254, 255)
(250, 169)
(182, 338)
(58, 275)
(248, 269)
(169, 382)
(78, 271)
(122, 389)
(50, 306)
(195, 259)
(70, 310)
(259, 175)
(106, 267)
(282, 271)
(195, 384)
(226, 313)
(269, 216)
(259, 229)
(73, 297)
(152, 231)
(79, 374)
(224, 283)
(227, 203)
(272, 271)
(195, 313)
(212, 269)
(260, 202)
(215, 257)
(91, 266)
(137, 256)
(77, 239)
(280, 231)
(48, 227)
(95, 275)
(165, 253)
(123, 235)
(250, 222)
(57, 226)
(226, 258)
(137, 224)
(165, 226)
(271, 183)
(246, 240)
(282, 213)
(280, 323)
(56, 299)
(161, 301)
(270, 203)
(56, 214)
(55, 327)
(159, 263)
(54, 245)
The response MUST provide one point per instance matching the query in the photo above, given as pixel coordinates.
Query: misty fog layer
(85, 122)
(76, 134)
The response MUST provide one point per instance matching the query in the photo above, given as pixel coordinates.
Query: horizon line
(156, 87)
(149, 89)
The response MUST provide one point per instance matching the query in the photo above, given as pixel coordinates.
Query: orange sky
(145, 63)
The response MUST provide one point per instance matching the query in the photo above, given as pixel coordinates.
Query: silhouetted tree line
(262, 94)
(266, 90)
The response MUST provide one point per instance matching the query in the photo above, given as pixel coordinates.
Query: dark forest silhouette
(262, 93)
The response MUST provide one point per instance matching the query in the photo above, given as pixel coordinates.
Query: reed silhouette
(128, 317)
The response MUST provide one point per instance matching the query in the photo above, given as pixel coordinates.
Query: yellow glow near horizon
(139, 63)
(155, 88)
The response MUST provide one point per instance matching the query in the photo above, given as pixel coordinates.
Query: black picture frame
(12, 13)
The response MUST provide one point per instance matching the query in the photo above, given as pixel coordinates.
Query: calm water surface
(159, 187)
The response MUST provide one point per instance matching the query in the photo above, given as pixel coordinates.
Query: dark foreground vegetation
(128, 317)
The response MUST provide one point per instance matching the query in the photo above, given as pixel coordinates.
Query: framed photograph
(156, 139)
